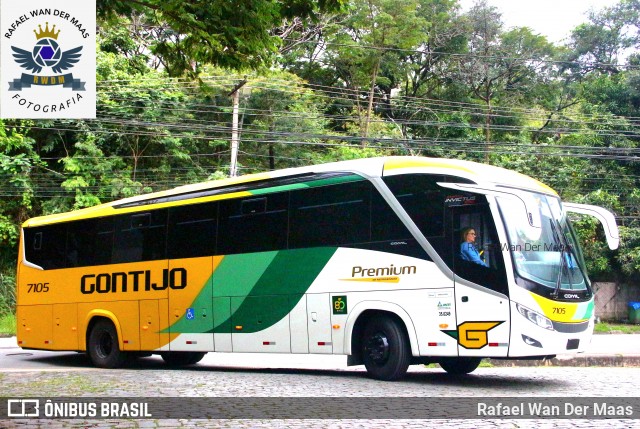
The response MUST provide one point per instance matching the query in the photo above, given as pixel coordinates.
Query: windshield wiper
(564, 252)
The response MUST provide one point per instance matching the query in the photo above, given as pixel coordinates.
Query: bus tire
(386, 352)
(182, 358)
(460, 365)
(103, 347)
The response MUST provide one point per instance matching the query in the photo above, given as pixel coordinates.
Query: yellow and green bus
(360, 258)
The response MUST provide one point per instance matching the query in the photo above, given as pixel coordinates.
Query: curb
(630, 361)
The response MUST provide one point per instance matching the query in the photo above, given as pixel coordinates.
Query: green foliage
(277, 116)
(8, 324)
(19, 164)
(8, 231)
(181, 33)
(611, 328)
(7, 293)
(629, 254)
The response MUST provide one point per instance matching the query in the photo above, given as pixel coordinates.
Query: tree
(235, 35)
(19, 166)
(600, 44)
(501, 66)
(279, 113)
(425, 73)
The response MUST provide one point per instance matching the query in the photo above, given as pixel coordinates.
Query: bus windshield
(547, 254)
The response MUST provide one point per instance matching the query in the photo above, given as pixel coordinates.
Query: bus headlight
(535, 317)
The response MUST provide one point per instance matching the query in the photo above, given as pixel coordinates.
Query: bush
(7, 294)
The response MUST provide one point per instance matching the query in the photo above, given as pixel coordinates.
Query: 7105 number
(38, 287)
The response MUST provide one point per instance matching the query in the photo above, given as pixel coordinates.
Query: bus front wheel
(385, 349)
(103, 347)
(460, 365)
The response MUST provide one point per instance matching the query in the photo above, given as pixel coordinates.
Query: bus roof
(241, 186)
(482, 174)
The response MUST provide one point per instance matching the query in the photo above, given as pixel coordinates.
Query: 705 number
(38, 287)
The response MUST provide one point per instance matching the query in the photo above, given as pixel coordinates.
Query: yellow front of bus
(552, 302)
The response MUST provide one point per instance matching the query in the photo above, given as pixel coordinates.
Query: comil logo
(48, 59)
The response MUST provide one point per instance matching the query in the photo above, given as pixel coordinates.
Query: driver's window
(441, 214)
(479, 256)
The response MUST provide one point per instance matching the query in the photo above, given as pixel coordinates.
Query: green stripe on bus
(278, 291)
(313, 184)
(235, 276)
(254, 290)
(584, 310)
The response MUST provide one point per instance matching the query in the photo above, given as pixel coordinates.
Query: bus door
(190, 303)
(481, 289)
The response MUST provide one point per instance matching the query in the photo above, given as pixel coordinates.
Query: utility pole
(235, 135)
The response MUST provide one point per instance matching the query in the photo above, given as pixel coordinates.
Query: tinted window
(385, 224)
(389, 234)
(90, 242)
(491, 273)
(45, 246)
(255, 224)
(423, 199)
(330, 215)
(192, 230)
(140, 237)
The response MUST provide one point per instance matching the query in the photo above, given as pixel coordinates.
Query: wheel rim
(105, 345)
(377, 348)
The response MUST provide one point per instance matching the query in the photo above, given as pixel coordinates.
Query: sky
(552, 18)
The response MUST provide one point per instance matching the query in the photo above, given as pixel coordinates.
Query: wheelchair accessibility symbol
(190, 314)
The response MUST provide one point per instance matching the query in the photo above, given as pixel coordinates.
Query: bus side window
(423, 199)
(330, 215)
(253, 224)
(37, 241)
(253, 206)
(48, 246)
(140, 237)
(90, 242)
(192, 230)
(103, 246)
(385, 224)
(389, 234)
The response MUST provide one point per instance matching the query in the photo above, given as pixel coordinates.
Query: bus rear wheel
(385, 350)
(103, 347)
(182, 358)
(460, 365)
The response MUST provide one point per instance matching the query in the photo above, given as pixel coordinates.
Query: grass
(7, 292)
(73, 385)
(608, 328)
(8, 325)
